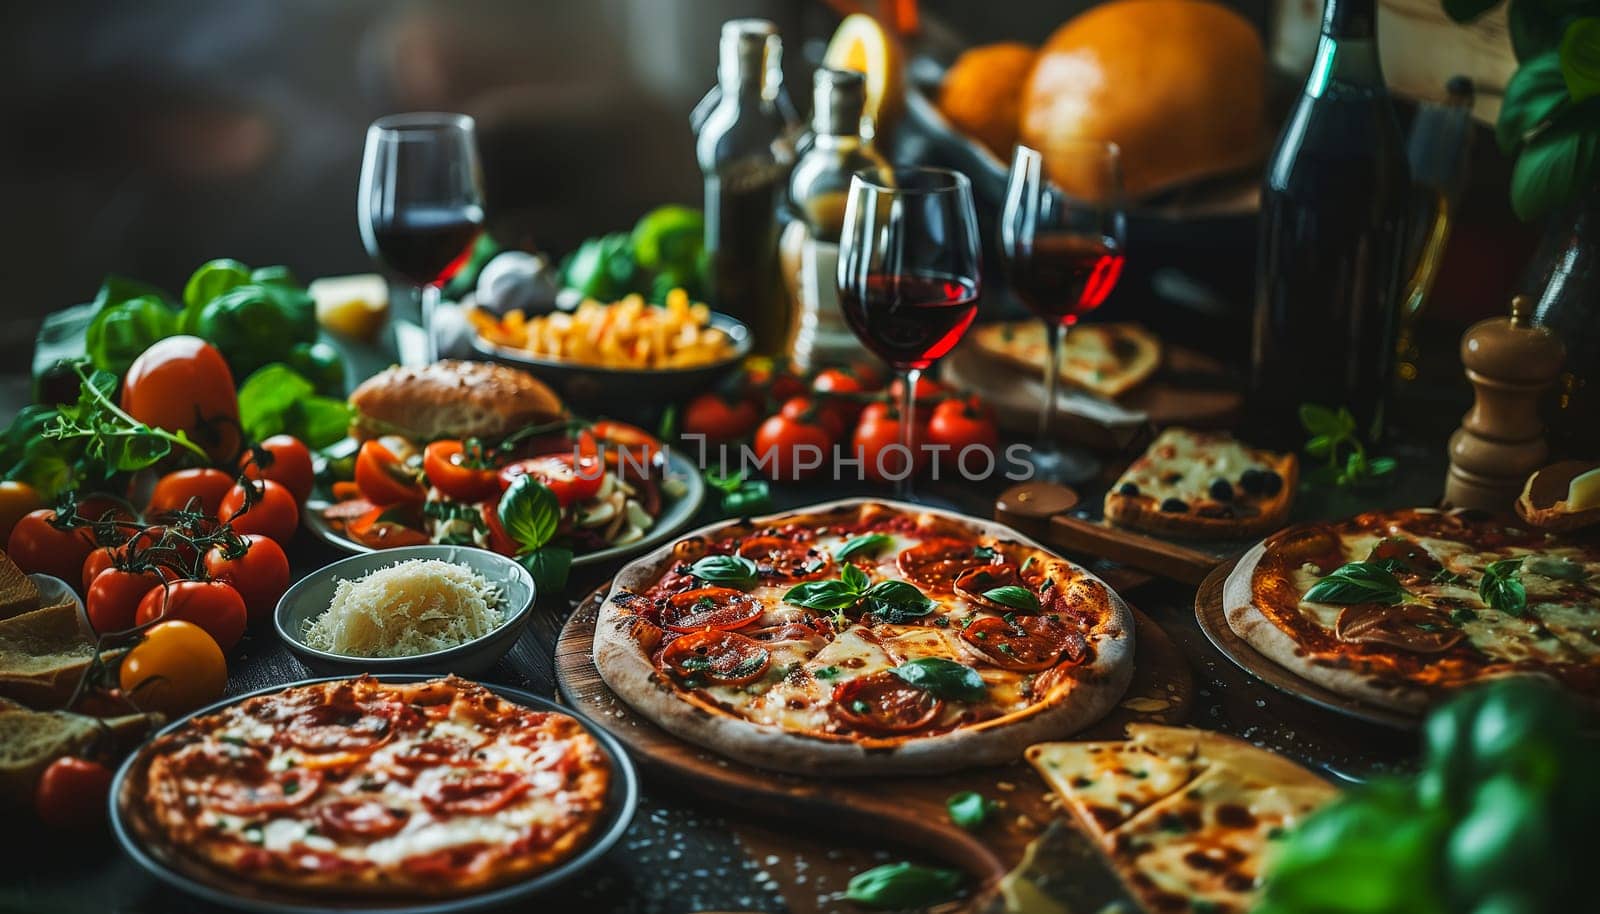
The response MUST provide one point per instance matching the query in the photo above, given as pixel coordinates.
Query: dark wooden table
(687, 854)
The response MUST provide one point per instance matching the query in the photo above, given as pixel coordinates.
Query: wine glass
(421, 202)
(909, 276)
(1063, 250)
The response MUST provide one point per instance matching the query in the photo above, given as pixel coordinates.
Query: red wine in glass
(911, 319)
(1061, 277)
(426, 245)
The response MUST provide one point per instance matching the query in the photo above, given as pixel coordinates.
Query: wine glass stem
(908, 425)
(430, 303)
(1052, 380)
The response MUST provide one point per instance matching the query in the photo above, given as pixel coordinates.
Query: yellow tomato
(16, 500)
(175, 669)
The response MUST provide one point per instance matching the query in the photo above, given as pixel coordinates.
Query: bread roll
(982, 93)
(451, 399)
(1177, 84)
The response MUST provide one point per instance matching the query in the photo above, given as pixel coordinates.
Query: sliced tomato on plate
(884, 703)
(1025, 644)
(384, 479)
(460, 471)
(385, 527)
(716, 657)
(619, 438)
(710, 607)
(499, 540)
(570, 479)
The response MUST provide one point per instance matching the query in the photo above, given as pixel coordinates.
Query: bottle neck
(1348, 49)
(748, 68)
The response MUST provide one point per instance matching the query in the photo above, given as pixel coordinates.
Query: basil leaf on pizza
(729, 570)
(866, 544)
(1359, 582)
(823, 595)
(1502, 587)
(854, 578)
(897, 601)
(1015, 597)
(943, 678)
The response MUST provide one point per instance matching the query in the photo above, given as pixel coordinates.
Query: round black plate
(622, 800)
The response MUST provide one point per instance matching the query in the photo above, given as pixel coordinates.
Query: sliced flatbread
(1104, 359)
(1106, 784)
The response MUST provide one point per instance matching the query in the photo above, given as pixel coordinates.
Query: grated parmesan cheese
(406, 609)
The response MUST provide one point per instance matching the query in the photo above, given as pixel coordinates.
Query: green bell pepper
(255, 324)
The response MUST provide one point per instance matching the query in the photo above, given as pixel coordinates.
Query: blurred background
(147, 138)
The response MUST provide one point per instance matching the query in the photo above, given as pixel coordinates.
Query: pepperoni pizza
(864, 637)
(358, 787)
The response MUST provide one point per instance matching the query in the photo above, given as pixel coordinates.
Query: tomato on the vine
(214, 606)
(274, 512)
(259, 572)
(793, 447)
(960, 423)
(113, 598)
(288, 462)
(569, 479)
(877, 445)
(719, 418)
(72, 793)
(460, 471)
(38, 545)
(383, 478)
(808, 409)
(182, 383)
(844, 386)
(98, 560)
(175, 669)
(206, 487)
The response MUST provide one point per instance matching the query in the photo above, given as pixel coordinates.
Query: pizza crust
(1088, 695)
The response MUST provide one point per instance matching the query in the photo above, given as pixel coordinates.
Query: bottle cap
(750, 50)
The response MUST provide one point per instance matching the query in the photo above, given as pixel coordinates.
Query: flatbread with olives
(1204, 485)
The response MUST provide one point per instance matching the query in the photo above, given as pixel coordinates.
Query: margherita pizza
(864, 637)
(358, 787)
(1398, 607)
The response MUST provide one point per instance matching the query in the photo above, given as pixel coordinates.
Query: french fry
(627, 334)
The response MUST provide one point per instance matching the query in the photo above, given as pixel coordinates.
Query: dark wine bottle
(1333, 211)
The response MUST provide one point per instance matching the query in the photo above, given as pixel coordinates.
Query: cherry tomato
(710, 607)
(1024, 644)
(290, 465)
(113, 598)
(175, 669)
(770, 380)
(618, 438)
(719, 418)
(72, 793)
(206, 487)
(793, 448)
(961, 423)
(568, 479)
(101, 558)
(845, 383)
(274, 513)
(102, 507)
(384, 528)
(715, 656)
(16, 500)
(37, 545)
(383, 478)
(499, 540)
(884, 703)
(182, 383)
(458, 474)
(808, 409)
(214, 606)
(786, 559)
(260, 573)
(876, 443)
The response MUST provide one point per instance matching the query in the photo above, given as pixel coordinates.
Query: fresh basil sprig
(969, 809)
(1011, 595)
(530, 513)
(730, 570)
(895, 601)
(943, 678)
(1502, 587)
(865, 544)
(1359, 582)
(902, 885)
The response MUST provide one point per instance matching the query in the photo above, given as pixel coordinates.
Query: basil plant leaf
(730, 570)
(823, 595)
(943, 678)
(1502, 587)
(1015, 597)
(529, 512)
(865, 544)
(1358, 582)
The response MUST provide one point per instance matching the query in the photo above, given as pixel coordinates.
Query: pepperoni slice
(884, 703)
(934, 564)
(720, 657)
(448, 865)
(279, 791)
(441, 750)
(333, 728)
(785, 559)
(975, 582)
(245, 763)
(710, 607)
(1026, 644)
(476, 794)
(355, 817)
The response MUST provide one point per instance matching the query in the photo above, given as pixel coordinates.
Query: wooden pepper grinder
(1501, 439)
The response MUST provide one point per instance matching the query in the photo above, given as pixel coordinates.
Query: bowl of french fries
(601, 353)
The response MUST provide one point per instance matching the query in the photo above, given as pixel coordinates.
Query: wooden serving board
(1057, 517)
(906, 810)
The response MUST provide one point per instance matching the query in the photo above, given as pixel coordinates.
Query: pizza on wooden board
(864, 637)
(1104, 359)
(361, 788)
(1398, 608)
(1204, 485)
(1186, 816)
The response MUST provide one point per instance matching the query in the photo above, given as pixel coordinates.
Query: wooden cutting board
(906, 810)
